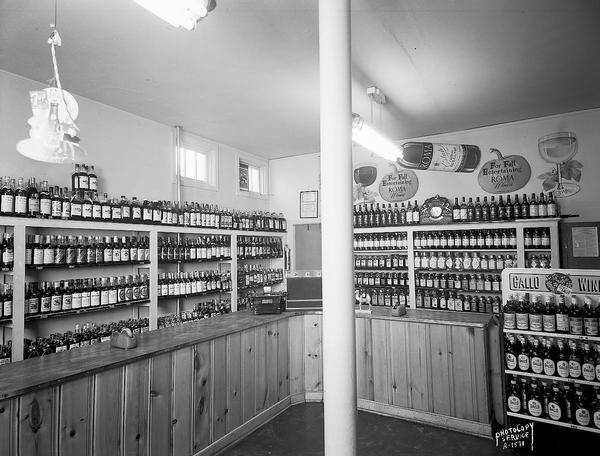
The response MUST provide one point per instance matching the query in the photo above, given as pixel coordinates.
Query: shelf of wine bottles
(463, 261)
(82, 202)
(528, 313)
(196, 283)
(201, 311)
(64, 297)
(380, 262)
(255, 247)
(459, 282)
(554, 403)
(382, 297)
(88, 334)
(435, 299)
(369, 215)
(252, 276)
(60, 251)
(196, 249)
(497, 239)
(380, 241)
(380, 279)
(6, 302)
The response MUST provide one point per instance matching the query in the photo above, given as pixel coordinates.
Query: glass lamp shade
(67, 150)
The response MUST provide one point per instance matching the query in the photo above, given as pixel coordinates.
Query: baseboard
(245, 429)
(432, 419)
(313, 396)
(298, 398)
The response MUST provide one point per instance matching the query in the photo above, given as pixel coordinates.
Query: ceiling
(248, 75)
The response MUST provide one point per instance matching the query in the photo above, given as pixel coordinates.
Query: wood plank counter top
(25, 376)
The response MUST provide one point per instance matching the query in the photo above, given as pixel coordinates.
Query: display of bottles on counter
(252, 275)
(463, 261)
(84, 178)
(208, 247)
(386, 297)
(88, 334)
(579, 405)
(538, 261)
(466, 239)
(67, 295)
(83, 202)
(552, 357)
(5, 353)
(458, 302)
(175, 284)
(380, 279)
(7, 252)
(6, 301)
(504, 209)
(371, 215)
(51, 250)
(581, 317)
(259, 247)
(459, 282)
(380, 262)
(536, 238)
(201, 311)
(380, 241)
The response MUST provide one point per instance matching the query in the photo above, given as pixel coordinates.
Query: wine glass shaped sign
(364, 176)
(559, 149)
(53, 133)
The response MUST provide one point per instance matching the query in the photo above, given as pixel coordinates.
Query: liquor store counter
(199, 387)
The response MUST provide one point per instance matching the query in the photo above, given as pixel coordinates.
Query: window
(252, 177)
(198, 162)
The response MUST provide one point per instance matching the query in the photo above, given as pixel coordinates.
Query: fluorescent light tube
(368, 137)
(178, 13)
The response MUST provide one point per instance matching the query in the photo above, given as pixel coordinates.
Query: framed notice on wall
(309, 204)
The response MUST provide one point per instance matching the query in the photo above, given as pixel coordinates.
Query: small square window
(250, 178)
(193, 165)
(198, 162)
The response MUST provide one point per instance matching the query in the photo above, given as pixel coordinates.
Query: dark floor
(299, 431)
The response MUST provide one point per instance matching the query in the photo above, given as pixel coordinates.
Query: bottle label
(588, 372)
(598, 370)
(597, 419)
(535, 322)
(112, 296)
(56, 303)
(33, 305)
(45, 304)
(6, 203)
(8, 308)
(549, 367)
(95, 298)
(549, 323)
(537, 364)
(76, 301)
(106, 212)
(86, 210)
(582, 416)
(76, 210)
(554, 411)
(45, 206)
(576, 325)
(534, 407)
(93, 183)
(562, 322)
(511, 360)
(20, 204)
(514, 404)
(85, 299)
(574, 369)
(96, 211)
(563, 368)
(509, 320)
(67, 303)
(56, 208)
(34, 205)
(442, 157)
(591, 326)
(136, 213)
(523, 321)
(523, 362)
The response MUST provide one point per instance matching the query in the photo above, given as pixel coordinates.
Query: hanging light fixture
(370, 138)
(53, 133)
(179, 13)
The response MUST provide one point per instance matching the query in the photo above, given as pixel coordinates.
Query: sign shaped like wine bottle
(400, 185)
(504, 174)
(455, 158)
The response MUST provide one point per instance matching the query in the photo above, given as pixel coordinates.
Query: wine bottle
(440, 157)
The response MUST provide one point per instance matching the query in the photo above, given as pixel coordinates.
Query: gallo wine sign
(398, 186)
(504, 174)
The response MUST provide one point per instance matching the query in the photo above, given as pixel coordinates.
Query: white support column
(339, 344)
(18, 319)
(153, 285)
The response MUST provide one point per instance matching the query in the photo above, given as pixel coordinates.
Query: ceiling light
(368, 137)
(179, 13)
(53, 133)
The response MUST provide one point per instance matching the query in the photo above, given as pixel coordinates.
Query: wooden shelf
(552, 378)
(553, 334)
(86, 265)
(556, 423)
(544, 249)
(62, 313)
(203, 260)
(192, 295)
(531, 223)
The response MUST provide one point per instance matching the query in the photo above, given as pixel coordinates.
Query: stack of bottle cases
(551, 322)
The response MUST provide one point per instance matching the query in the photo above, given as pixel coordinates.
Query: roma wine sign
(504, 174)
(399, 186)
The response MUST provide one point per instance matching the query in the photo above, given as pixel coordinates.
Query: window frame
(263, 176)
(210, 149)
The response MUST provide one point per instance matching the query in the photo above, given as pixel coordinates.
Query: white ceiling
(248, 75)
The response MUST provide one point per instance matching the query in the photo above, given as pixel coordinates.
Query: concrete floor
(299, 431)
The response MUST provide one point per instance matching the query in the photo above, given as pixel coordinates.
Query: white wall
(290, 175)
(132, 154)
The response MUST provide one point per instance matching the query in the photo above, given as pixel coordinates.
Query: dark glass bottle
(7, 198)
(33, 199)
(485, 210)
(76, 206)
(20, 198)
(478, 210)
